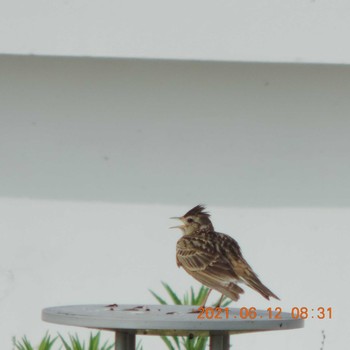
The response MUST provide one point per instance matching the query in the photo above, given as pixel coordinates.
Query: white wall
(96, 155)
(135, 131)
(235, 30)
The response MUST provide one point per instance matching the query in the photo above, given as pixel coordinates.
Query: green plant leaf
(172, 294)
(138, 345)
(160, 300)
(185, 299)
(74, 343)
(94, 341)
(201, 343)
(46, 343)
(23, 344)
(202, 294)
(168, 343)
(193, 297)
(189, 343)
(111, 346)
(65, 344)
(77, 345)
(225, 302)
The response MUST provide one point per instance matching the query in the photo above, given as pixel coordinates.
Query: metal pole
(226, 341)
(125, 341)
(220, 342)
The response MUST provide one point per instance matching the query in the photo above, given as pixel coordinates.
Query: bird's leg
(206, 298)
(220, 301)
(195, 311)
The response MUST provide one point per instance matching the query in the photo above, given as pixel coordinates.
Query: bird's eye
(189, 220)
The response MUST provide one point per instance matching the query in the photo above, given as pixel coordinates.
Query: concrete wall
(96, 155)
(235, 30)
(175, 132)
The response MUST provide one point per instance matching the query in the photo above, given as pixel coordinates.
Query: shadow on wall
(173, 132)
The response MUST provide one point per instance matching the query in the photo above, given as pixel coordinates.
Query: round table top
(168, 319)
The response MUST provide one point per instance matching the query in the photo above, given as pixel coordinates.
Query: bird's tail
(253, 282)
(231, 290)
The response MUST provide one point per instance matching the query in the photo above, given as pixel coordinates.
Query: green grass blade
(193, 297)
(138, 345)
(225, 302)
(21, 344)
(77, 345)
(202, 294)
(94, 341)
(47, 343)
(26, 344)
(168, 343)
(65, 344)
(201, 343)
(186, 299)
(189, 343)
(177, 342)
(159, 299)
(172, 294)
(105, 346)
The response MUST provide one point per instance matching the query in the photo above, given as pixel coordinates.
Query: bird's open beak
(177, 218)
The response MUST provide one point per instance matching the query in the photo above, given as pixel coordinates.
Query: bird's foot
(220, 301)
(198, 310)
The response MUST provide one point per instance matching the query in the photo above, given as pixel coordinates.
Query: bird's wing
(203, 259)
(196, 254)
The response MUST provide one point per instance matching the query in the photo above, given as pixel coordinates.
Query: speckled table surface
(129, 320)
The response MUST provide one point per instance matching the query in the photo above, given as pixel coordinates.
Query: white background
(96, 155)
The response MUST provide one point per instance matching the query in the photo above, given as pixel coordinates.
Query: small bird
(214, 259)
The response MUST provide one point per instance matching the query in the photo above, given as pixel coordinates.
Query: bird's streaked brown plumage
(214, 259)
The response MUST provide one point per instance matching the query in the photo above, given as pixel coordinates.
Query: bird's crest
(197, 210)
